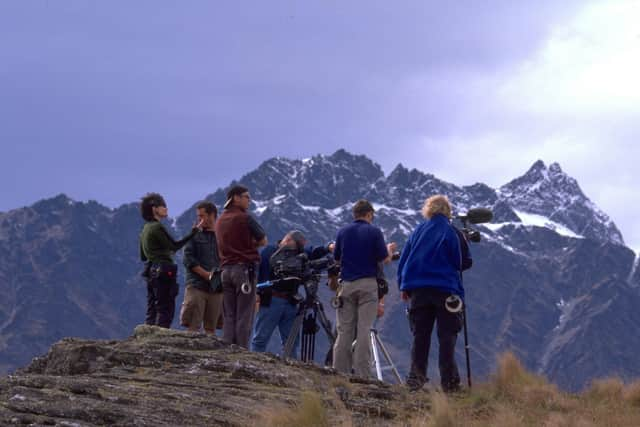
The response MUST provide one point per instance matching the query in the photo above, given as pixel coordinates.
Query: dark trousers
(238, 308)
(428, 307)
(161, 302)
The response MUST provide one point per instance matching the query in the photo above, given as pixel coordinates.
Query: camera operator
(202, 303)
(429, 276)
(359, 248)
(156, 249)
(278, 303)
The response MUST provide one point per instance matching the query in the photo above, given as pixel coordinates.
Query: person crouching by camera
(278, 301)
(359, 247)
(429, 272)
(202, 303)
(156, 250)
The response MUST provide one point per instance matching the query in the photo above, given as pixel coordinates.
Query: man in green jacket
(156, 250)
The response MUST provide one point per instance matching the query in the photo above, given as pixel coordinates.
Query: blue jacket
(434, 256)
(359, 247)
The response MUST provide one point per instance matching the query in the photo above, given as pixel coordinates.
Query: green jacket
(157, 245)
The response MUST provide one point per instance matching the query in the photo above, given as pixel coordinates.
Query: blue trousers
(280, 313)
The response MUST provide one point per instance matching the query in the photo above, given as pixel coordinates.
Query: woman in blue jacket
(429, 272)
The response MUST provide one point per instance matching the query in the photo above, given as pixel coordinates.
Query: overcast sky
(108, 100)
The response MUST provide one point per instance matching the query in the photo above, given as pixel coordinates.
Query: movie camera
(474, 216)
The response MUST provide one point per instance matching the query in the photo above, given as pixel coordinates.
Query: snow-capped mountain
(552, 280)
(318, 191)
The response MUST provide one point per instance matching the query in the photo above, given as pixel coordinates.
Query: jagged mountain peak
(539, 173)
(333, 181)
(549, 192)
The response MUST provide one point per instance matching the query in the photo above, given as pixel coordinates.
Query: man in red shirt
(239, 237)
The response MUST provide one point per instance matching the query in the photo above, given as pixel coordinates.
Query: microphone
(477, 215)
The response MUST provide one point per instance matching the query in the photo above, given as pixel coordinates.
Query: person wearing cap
(430, 279)
(156, 250)
(239, 236)
(359, 247)
(278, 297)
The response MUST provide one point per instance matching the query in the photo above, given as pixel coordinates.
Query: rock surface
(162, 377)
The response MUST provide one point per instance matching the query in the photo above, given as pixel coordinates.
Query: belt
(283, 295)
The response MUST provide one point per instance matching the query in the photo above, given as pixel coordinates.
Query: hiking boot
(414, 383)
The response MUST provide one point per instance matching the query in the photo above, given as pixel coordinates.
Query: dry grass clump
(310, 412)
(605, 390)
(441, 413)
(631, 394)
(511, 377)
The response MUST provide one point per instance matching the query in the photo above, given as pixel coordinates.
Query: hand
(380, 308)
(257, 303)
(391, 247)
(404, 295)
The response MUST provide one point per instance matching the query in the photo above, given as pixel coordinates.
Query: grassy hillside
(513, 397)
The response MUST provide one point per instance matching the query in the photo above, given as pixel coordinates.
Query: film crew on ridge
(249, 293)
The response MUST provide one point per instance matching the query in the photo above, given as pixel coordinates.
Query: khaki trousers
(354, 321)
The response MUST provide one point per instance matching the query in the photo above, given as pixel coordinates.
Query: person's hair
(148, 202)
(208, 207)
(236, 190)
(297, 237)
(438, 204)
(361, 208)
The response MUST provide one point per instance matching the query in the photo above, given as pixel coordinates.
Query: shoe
(415, 384)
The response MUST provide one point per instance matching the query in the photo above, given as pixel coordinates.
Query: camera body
(292, 269)
(470, 234)
(474, 216)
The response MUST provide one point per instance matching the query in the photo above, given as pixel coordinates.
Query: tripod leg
(326, 325)
(388, 357)
(376, 356)
(466, 344)
(291, 339)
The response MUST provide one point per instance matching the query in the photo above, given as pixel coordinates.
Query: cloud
(575, 100)
(589, 67)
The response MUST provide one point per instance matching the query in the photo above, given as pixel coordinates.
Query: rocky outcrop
(162, 377)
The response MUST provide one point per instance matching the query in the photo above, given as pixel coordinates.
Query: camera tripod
(310, 312)
(376, 346)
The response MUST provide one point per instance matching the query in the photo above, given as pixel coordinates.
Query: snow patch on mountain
(560, 333)
(533, 220)
(634, 268)
(380, 207)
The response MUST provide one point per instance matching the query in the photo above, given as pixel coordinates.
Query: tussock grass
(514, 397)
(632, 394)
(309, 412)
(441, 413)
(605, 390)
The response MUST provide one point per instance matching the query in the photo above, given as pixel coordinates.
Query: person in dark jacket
(429, 272)
(156, 250)
(203, 294)
(239, 236)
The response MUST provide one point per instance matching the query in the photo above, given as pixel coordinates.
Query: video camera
(305, 271)
(474, 216)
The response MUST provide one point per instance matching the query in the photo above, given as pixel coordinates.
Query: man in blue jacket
(429, 272)
(359, 248)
